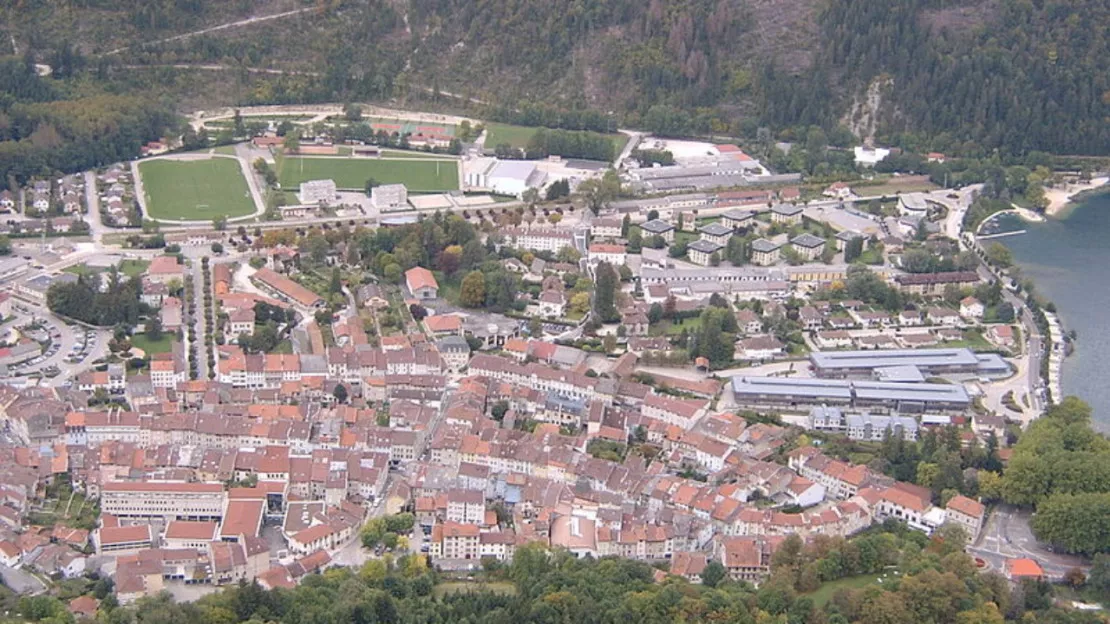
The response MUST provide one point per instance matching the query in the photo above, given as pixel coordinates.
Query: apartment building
(172, 501)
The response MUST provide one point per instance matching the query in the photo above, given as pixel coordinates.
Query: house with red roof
(967, 513)
(747, 558)
(1020, 569)
(421, 283)
(444, 324)
(163, 269)
(908, 503)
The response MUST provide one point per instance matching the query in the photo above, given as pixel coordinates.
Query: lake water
(1069, 262)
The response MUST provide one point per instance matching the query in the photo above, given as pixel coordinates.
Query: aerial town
(435, 348)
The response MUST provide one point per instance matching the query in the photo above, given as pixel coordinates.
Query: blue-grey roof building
(876, 396)
(930, 362)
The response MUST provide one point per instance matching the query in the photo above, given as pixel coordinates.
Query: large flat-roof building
(504, 177)
(35, 289)
(173, 501)
(877, 396)
(747, 282)
(863, 364)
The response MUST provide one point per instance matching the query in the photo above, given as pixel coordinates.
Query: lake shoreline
(1061, 201)
(1064, 256)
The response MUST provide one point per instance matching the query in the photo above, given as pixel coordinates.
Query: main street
(92, 204)
(1034, 342)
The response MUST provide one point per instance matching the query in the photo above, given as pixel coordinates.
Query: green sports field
(195, 190)
(352, 173)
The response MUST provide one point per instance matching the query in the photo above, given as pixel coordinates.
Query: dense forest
(965, 77)
(52, 125)
(925, 581)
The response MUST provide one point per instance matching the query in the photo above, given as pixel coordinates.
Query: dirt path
(243, 22)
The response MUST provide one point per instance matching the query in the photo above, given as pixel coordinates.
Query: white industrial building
(868, 156)
(913, 204)
(504, 177)
(390, 197)
(316, 192)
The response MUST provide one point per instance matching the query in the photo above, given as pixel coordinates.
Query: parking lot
(70, 350)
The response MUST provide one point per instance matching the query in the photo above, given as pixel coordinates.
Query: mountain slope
(965, 76)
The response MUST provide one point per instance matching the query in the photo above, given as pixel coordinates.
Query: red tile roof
(419, 277)
(125, 535)
(187, 529)
(1023, 568)
(287, 287)
(967, 506)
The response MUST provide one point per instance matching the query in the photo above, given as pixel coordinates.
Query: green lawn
(973, 340)
(226, 149)
(823, 594)
(352, 173)
(518, 136)
(79, 269)
(151, 347)
(133, 268)
(197, 190)
(129, 267)
(499, 587)
(667, 328)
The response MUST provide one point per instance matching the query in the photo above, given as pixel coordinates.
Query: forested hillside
(51, 125)
(960, 76)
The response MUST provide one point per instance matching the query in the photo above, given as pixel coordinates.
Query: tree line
(924, 580)
(1061, 468)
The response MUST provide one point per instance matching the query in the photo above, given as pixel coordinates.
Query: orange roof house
(421, 283)
(443, 324)
(1019, 569)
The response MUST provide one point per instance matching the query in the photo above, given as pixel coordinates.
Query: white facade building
(504, 177)
(390, 197)
(317, 192)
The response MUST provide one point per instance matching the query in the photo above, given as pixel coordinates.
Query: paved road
(353, 554)
(957, 208)
(318, 110)
(242, 154)
(92, 202)
(140, 193)
(21, 582)
(1007, 534)
(633, 142)
(1035, 342)
(217, 67)
(198, 296)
